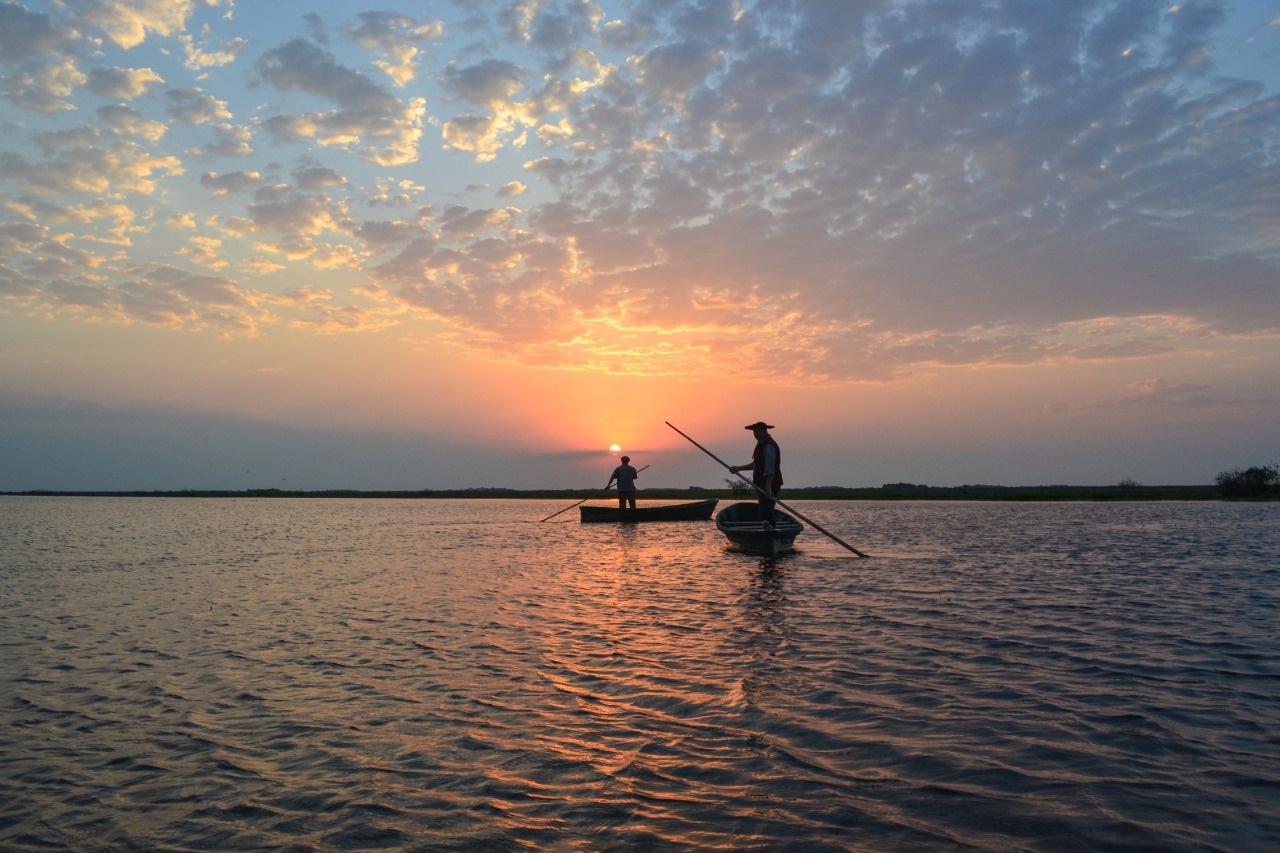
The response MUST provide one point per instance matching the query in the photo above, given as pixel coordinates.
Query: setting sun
(614, 448)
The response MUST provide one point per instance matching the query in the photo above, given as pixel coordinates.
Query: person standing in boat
(626, 477)
(766, 469)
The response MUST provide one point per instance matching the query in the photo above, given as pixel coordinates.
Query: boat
(696, 511)
(741, 524)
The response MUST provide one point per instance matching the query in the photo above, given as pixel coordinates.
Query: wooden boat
(741, 524)
(696, 511)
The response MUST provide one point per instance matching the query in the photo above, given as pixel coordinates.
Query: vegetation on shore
(1260, 482)
(1256, 482)
(888, 492)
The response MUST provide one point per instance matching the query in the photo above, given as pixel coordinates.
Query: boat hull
(741, 525)
(697, 511)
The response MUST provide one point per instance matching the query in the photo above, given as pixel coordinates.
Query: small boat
(741, 524)
(696, 511)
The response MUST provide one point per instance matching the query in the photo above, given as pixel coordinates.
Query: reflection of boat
(741, 524)
(697, 511)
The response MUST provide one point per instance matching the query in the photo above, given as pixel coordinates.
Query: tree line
(1254, 482)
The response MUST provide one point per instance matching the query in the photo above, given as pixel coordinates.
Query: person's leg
(631, 498)
(622, 500)
(766, 503)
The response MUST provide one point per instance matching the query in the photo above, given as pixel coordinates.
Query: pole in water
(791, 510)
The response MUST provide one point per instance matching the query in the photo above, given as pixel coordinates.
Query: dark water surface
(240, 674)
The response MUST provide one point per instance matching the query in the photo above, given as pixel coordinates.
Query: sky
(476, 243)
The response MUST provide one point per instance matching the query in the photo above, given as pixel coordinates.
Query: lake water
(294, 674)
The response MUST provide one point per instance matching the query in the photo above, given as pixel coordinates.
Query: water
(187, 674)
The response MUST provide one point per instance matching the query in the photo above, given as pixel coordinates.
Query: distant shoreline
(896, 492)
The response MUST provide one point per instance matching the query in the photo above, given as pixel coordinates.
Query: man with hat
(766, 469)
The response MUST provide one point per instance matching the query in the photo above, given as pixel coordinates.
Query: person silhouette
(766, 469)
(626, 477)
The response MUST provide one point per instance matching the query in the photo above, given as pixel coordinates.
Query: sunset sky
(436, 244)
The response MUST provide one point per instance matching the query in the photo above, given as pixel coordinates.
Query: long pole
(759, 490)
(584, 500)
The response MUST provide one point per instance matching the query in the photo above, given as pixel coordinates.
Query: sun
(613, 448)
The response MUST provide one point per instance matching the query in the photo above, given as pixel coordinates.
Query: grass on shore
(898, 492)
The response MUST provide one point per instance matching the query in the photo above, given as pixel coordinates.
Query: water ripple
(432, 675)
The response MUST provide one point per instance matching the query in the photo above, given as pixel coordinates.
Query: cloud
(44, 88)
(27, 35)
(346, 319)
(386, 234)
(260, 266)
(164, 296)
(299, 65)
(281, 209)
(205, 252)
(483, 136)
(397, 36)
(195, 107)
(317, 178)
(862, 191)
(230, 140)
(119, 219)
(490, 83)
(368, 119)
(944, 188)
(125, 121)
(39, 61)
(122, 167)
(394, 194)
(129, 22)
(493, 84)
(673, 70)
(199, 59)
(125, 83)
(229, 182)
(546, 28)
